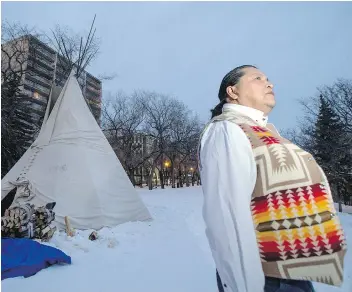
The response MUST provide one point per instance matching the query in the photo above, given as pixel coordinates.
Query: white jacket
(228, 173)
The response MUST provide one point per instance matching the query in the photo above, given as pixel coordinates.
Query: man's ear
(231, 94)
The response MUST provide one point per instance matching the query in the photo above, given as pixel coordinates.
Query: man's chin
(269, 107)
(271, 104)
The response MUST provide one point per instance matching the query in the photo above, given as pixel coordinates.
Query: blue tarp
(25, 257)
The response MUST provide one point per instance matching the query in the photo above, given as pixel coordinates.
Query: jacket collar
(252, 113)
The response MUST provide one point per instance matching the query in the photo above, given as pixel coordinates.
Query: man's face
(254, 90)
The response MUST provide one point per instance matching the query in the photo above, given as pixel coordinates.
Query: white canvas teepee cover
(72, 163)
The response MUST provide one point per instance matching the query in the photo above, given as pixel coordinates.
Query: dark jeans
(278, 285)
(283, 285)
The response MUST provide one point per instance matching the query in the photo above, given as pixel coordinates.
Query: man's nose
(270, 85)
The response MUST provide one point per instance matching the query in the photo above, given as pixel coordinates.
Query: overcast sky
(185, 48)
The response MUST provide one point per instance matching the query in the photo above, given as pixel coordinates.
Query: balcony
(37, 52)
(40, 69)
(38, 79)
(62, 67)
(92, 96)
(96, 111)
(35, 96)
(93, 83)
(91, 78)
(47, 64)
(93, 90)
(32, 85)
(36, 44)
(38, 108)
(37, 61)
(95, 104)
(60, 82)
(61, 74)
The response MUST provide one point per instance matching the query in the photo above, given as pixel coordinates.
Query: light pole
(166, 165)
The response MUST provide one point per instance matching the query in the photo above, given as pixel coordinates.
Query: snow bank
(169, 254)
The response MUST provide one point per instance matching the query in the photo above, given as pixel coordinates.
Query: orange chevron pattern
(296, 202)
(289, 243)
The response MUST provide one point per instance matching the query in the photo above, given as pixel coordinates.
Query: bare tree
(147, 129)
(74, 50)
(123, 117)
(162, 113)
(19, 124)
(175, 141)
(182, 148)
(189, 147)
(14, 51)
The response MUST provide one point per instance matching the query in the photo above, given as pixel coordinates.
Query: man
(270, 219)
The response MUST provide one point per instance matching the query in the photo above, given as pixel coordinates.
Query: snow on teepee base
(72, 163)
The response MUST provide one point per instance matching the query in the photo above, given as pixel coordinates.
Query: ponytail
(216, 111)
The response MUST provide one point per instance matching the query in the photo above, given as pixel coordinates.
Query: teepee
(72, 163)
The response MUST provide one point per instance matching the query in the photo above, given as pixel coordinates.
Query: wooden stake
(69, 231)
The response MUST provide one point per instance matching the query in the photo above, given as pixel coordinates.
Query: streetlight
(192, 169)
(167, 164)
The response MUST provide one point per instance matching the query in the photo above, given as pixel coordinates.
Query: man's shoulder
(226, 128)
(235, 118)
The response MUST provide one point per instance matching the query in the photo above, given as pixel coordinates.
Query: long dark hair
(230, 79)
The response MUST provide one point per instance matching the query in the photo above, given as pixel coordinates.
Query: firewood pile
(27, 221)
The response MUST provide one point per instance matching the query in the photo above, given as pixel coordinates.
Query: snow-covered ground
(169, 254)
